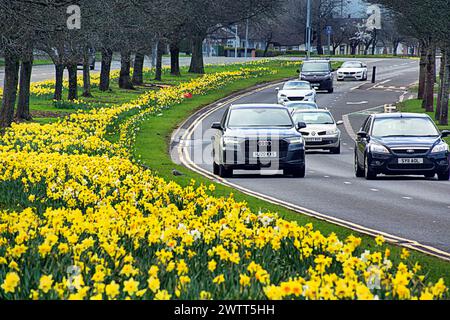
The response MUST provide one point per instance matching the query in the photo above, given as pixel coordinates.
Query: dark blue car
(401, 144)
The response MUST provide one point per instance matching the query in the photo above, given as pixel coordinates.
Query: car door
(361, 143)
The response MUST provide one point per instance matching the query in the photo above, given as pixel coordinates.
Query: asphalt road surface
(414, 208)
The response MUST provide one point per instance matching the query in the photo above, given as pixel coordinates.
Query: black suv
(252, 137)
(319, 73)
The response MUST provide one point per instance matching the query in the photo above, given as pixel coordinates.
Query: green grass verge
(152, 146)
(415, 106)
(42, 62)
(357, 56)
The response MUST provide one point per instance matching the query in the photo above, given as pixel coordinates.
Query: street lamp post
(308, 29)
(246, 39)
(236, 43)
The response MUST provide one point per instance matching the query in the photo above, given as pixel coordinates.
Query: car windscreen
(259, 117)
(352, 65)
(316, 67)
(404, 127)
(304, 106)
(313, 117)
(297, 86)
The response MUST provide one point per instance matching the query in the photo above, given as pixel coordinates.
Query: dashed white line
(407, 198)
(375, 190)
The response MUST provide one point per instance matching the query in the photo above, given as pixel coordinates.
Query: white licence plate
(308, 139)
(265, 154)
(410, 161)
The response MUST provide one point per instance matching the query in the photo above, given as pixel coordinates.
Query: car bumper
(389, 164)
(294, 157)
(319, 83)
(326, 143)
(296, 99)
(350, 76)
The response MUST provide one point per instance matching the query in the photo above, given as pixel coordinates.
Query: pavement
(412, 208)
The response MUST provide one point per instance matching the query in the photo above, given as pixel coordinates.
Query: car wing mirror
(298, 70)
(217, 126)
(445, 133)
(340, 123)
(277, 89)
(301, 125)
(362, 135)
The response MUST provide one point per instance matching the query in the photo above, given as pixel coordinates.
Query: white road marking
(374, 190)
(348, 183)
(357, 103)
(407, 198)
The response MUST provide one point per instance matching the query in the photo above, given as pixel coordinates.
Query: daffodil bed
(96, 225)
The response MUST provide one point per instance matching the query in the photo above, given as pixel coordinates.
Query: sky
(356, 8)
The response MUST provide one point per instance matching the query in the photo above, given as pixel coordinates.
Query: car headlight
(230, 141)
(332, 132)
(295, 140)
(309, 94)
(442, 147)
(378, 148)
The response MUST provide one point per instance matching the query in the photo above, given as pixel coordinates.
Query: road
(412, 208)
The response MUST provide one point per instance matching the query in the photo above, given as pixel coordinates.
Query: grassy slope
(152, 149)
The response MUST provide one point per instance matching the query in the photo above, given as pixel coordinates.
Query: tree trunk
(446, 90)
(86, 76)
(423, 70)
(107, 55)
(175, 60)
(59, 78)
(197, 64)
(441, 86)
(396, 48)
(374, 41)
(73, 81)
(23, 104)
(138, 69)
(428, 99)
(9, 89)
(125, 66)
(159, 56)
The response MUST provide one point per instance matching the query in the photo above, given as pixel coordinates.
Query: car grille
(413, 151)
(296, 98)
(322, 133)
(349, 73)
(280, 146)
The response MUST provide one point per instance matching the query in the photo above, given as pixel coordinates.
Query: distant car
(295, 91)
(355, 70)
(251, 137)
(401, 144)
(319, 73)
(321, 130)
(304, 105)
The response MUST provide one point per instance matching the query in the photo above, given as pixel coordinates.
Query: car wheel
(224, 172)
(444, 176)
(430, 175)
(358, 170)
(336, 150)
(215, 169)
(331, 90)
(299, 172)
(368, 173)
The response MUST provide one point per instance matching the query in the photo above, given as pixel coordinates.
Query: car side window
(224, 118)
(367, 125)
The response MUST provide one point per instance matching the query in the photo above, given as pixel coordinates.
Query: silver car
(321, 130)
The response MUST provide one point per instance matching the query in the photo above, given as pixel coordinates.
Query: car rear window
(259, 117)
(313, 117)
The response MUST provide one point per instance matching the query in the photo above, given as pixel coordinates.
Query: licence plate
(410, 161)
(313, 139)
(265, 154)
